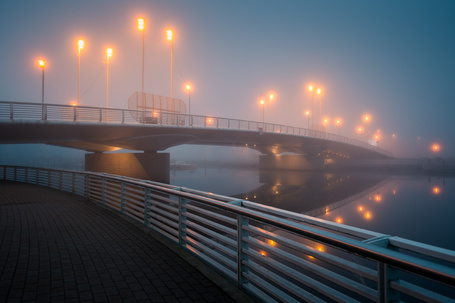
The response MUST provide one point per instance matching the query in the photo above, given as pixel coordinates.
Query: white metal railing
(58, 112)
(274, 254)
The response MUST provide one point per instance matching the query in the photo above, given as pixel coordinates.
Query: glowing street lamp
(188, 88)
(263, 103)
(80, 44)
(307, 113)
(318, 91)
(435, 148)
(108, 55)
(41, 64)
(310, 88)
(169, 34)
(141, 27)
(338, 123)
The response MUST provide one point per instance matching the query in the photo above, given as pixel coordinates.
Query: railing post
(43, 112)
(11, 111)
(241, 245)
(123, 199)
(147, 207)
(74, 113)
(123, 116)
(101, 115)
(87, 186)
(385, 275)
(72, 182)
(103, 191)
(182, 221)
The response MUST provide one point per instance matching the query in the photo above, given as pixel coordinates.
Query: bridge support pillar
(149, 166)
(290, 162)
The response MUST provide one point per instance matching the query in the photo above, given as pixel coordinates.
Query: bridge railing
(58, 112)
(275, 255)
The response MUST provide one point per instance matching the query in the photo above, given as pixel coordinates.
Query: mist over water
(414, 207)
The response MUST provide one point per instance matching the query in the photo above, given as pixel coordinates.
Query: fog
(391, 60)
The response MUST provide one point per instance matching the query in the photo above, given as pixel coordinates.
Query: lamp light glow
(81, 44)
(169, 34)
(140, 24)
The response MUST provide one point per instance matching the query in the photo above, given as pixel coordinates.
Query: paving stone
(61, 247)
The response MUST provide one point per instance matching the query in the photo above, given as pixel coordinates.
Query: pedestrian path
(55, 247)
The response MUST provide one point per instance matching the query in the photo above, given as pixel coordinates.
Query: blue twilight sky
(392, 59)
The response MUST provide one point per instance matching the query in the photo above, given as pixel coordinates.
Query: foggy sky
(391, 59)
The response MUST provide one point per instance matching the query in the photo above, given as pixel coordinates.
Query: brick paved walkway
(57, 247)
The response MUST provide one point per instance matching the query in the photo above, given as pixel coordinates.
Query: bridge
(99, 130)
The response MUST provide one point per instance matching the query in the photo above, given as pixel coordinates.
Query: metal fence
(57, 112)
(275, 255)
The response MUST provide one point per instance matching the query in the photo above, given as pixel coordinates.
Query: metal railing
(275, 255)
(58, 112)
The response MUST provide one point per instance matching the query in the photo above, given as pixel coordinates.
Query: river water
(415, 207)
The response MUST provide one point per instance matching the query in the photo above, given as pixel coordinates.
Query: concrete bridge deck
(55, 247)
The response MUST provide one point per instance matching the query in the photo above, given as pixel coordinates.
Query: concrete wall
(149, 166)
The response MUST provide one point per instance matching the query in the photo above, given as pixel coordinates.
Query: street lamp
(307, 113)
(263, 103)
(338, 123)
(41, 64)
(80, 44)
(271, 97)
(141, 27)
(310, 88)
(320, 102)
(188, 88)
(108, 55)
(169, 37)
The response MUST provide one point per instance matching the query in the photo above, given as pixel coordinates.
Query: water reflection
(416, 207)
(312, 193)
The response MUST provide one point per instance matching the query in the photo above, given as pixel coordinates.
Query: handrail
(27, 110)
(269, 252)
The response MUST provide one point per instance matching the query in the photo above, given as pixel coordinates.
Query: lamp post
(188, 88)
(141, 27)
(80, 44)
(263, 121)
(271, 97)
(108, 55)
(169, 34)
(307, 113)
(338, 123)
(41, 64)
(310, 88)
(320, 103)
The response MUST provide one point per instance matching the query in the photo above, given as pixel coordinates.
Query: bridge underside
(103, 137)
